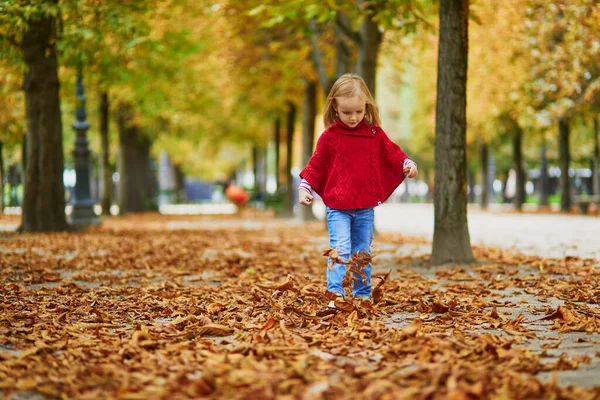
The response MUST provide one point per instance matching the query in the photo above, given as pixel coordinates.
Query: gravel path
(550, 235)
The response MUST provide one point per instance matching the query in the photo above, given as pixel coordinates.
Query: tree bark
(369, 42)
(105, 170)
(544, 180)
(451, 240)
(519, 169)
(289, 193)
(596, 172)
(565, 181)
(136, 183)
(44, 192)
(484, 171)
(277, 138)
(309, 113)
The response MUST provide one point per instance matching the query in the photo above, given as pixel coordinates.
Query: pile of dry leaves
(150, 307)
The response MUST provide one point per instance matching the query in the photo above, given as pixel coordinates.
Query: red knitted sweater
(355, 167)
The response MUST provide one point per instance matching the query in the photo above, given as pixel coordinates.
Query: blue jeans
(350, 231)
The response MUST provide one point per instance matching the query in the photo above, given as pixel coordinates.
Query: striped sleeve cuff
(304, 185)
(408, 161)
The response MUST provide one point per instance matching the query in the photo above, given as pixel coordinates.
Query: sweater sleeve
(393, 153)
(315, 172)
(392, 160)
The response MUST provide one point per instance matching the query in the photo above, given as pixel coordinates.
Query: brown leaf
(377, 294)
(561, 313)
(415, 326)
(288, 284)
(270, 324)
(214, 330)
(335, 257)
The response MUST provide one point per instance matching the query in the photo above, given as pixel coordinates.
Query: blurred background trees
(186, 96)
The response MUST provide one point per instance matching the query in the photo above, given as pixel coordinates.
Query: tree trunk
(105, 170)
(24, 154)
(451, 240)
(565, 181)
(277, 138)
(288, 208)
(596, 172)
(368, 47)
(471, 182)
(258, 159)
(255, 170)
(136, 183)
(180, 194)
(1, 180)
(44, 191)
(518, 165)
(484, 171)
(309, 113)
(544, 180)
(342, 60)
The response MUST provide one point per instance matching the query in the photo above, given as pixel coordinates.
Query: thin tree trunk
(105, 170)
(518, 165)
(544, 180)
(289, 193)
(565, 181)
(255, 170)
(258, 160)
(277, 138)
(471, 182)
(262, 187)
(180, 195)
(596, 172)
(309, 114)
(317, 57)
(343, 52)
(24, 155)
(484, 171)
(368, 47)
(342, 61)
(44, 192)
(136, 176)
(451, 240)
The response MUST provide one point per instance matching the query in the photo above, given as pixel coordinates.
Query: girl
(354, 168)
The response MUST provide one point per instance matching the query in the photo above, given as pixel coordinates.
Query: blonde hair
(350, 85)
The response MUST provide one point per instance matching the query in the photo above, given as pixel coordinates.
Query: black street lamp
(83, 213)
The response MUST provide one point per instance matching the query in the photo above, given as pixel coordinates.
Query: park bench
(585, 201)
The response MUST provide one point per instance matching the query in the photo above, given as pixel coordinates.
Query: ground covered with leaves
(151, 307)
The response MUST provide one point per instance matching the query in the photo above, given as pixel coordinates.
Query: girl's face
(351, 110)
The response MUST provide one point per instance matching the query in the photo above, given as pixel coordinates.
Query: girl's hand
(410, 170)
(304, 197)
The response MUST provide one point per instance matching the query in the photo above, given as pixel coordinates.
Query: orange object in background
(237, 195)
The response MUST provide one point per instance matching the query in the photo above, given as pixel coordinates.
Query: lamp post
(83, 213)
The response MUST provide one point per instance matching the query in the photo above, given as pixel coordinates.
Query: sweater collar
(362, 129)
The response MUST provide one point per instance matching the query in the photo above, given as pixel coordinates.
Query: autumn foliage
(176, 307)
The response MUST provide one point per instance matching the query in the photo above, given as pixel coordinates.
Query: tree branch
(343, 23)
(317, 56)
